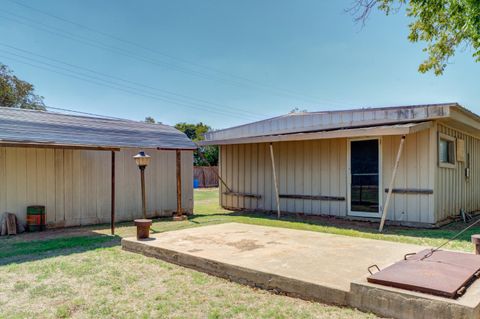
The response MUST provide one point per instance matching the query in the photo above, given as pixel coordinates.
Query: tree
(150, 120)
(17, 93)
(445, 25)
(195, 132)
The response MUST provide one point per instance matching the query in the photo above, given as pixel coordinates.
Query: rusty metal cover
(444, 273)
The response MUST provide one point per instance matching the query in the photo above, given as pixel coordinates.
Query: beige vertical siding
(305, 167)
(319, 167)
(414, 172)
(74, 185)
(453, 190)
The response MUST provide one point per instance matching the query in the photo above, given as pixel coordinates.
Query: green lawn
(83, 273)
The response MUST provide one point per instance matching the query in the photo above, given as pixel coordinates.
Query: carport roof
(50, 129)
(398, 120)
(400, 129)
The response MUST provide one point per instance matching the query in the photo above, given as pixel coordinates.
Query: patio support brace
(179, 182)
(112, 205)
(275, 181)
(199, 150)
(390, 187)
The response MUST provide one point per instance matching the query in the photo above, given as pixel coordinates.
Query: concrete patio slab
(392, 302)
(310, 265)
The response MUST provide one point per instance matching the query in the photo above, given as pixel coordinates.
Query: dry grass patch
(83, 273)
(111, 283)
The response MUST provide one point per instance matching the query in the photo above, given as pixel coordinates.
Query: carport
(81, 168)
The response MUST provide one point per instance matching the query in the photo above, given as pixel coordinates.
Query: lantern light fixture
(142, 159)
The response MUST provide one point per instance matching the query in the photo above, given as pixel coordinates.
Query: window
(446, 151)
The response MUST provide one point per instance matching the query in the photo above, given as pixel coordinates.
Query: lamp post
(142, 161)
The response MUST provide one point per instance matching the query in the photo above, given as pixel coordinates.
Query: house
(341, 163)
(70, 164)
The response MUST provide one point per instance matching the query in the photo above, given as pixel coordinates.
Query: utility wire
(99, 45)
(87, 41)
(103, 47)
(85, 113)
(115, 86)
(433, 250)
(132, 43)
(141, 85)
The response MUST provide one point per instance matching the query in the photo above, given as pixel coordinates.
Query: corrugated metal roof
(334, 120)
(57, 129)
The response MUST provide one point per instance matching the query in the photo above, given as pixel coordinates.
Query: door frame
(349, 179)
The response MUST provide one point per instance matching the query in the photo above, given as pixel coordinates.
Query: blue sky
(222, 62)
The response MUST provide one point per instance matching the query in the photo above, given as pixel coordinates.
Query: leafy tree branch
(17, 93)
(444, 25)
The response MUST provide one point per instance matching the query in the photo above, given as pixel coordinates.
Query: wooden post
(112, 204)
(179, 183)
(204, 178)
(11, 221)
(275, 180)
(476, 244)
(390, 187)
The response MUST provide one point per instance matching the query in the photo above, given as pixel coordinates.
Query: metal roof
(305, 122)
(396, 129)
(31, 127)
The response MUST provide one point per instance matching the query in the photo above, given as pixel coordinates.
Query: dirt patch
(205, 240)
(274, 242)
(245, 245)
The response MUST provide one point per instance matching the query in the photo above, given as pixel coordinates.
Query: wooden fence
(206, 176)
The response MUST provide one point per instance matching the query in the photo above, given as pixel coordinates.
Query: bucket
(35, 218)
(196, 183)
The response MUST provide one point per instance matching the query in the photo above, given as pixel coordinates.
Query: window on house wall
(446, 151)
